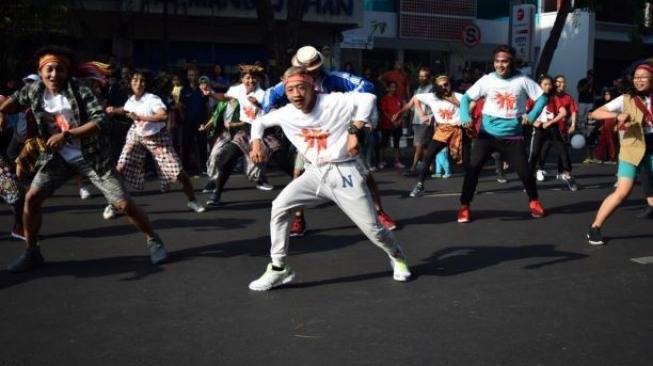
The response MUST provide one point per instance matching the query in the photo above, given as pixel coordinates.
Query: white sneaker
(401, 272)
(399, 165)
(539, 175)
(272, 278)
(195, 206)
(264, 186)
(84, 193)
(109, 212)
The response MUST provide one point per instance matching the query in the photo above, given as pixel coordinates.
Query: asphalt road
(504, 289)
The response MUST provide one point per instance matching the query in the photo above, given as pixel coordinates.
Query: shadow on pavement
(457, 260)
(159, 224)
(139, 267)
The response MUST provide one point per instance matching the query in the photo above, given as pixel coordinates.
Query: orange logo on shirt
(505, 100)
(61, 122)
(250, 112)
(446, 114)
(315, 138)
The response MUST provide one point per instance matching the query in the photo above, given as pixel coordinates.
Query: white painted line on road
(643, 260)
(442, 194)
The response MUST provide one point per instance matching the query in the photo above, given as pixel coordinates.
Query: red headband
(48, 58)
(646, 67)
(304, 78)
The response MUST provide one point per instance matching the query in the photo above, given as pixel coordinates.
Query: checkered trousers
(132, 158)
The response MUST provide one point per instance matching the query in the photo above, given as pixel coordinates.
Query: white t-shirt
(321, 135)
(546, 114)
(248, 111)
(147, 105)
(616, 105)
(444, 111)
(421, 90)
(505, 98)
(64, 119)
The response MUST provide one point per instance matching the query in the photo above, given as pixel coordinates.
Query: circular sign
(471, 35)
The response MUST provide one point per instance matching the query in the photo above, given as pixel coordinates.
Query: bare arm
(9, 106)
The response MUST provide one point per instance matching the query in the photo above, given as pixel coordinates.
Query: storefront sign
(522, 28)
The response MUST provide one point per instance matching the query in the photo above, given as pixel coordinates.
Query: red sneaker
(463, 213)
(298, 227)
(537, 210)
(18, 233)
(386, 221)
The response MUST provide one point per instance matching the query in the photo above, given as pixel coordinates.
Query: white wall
(575, 52)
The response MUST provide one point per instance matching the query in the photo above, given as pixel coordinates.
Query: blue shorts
(629, 171)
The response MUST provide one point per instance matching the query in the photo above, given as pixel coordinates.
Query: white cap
(31, 78)
(308, 57)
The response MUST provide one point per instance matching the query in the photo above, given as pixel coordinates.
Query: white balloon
(578, 141)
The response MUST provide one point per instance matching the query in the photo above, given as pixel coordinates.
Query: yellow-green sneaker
(272, 278)
(401, 272)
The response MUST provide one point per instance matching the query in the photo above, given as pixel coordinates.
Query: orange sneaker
(463, 213)
(386, 221)
(298, 227)
(537, 210)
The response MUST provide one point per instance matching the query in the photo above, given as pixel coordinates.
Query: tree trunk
(295, 16)
(268, 28)
(278, 40)
(546, 56)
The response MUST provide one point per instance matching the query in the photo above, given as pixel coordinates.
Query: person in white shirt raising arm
(323, 128)
(506, 91)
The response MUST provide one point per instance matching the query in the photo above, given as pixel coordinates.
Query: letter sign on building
(522, 28)
(471, 35)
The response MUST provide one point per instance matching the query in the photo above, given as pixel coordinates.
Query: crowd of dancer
(325, 128)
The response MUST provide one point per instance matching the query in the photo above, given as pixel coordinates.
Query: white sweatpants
(342, 183)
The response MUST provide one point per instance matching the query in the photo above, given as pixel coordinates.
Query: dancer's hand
(256, 154)
(55, 141)
(623, 120)
(352, 145)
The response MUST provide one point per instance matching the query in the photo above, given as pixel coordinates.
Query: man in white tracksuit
(323, 128)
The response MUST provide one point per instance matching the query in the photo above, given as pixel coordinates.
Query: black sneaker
(210, 187)
(30, 259)
(214, 200)
(501, 178)
(158, 253)
(594, 236)
(418, 191)
(647, 213)
(571, 182)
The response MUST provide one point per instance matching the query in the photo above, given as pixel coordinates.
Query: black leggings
(435, 147)
(227, 163)
(511, 150)
(541, 141)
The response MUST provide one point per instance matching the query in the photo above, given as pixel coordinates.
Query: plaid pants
(132, 158)
(10, 189)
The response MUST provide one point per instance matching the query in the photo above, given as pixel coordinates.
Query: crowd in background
(183, 92)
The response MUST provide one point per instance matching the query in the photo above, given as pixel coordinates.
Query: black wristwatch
(352, 129)
(68, 137)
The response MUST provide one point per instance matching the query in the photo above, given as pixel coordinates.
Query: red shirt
(477, 114)
(389, 105)
(398, 77)
(567, 101)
